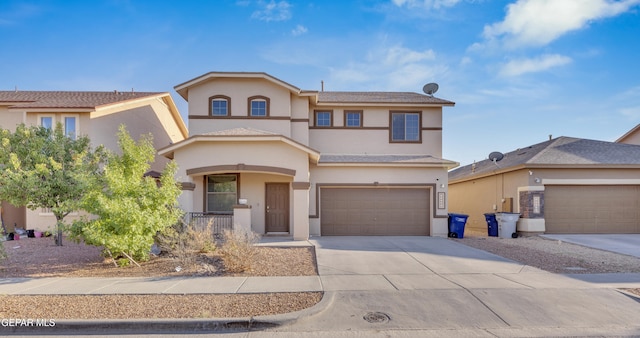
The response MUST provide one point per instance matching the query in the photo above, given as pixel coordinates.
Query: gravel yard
(41, 258)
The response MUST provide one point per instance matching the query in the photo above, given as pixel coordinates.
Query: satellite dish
(430, 88)
(496, 156)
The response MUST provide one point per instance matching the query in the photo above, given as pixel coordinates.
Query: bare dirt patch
(40, 257)
(556, 256)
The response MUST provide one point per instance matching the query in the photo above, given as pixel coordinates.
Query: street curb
(168, 326)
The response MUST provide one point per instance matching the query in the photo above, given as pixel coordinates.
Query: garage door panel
(592, 209)
(374, 211)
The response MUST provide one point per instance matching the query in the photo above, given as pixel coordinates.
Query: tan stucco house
(95, 114)
(282, 160)
(563, 185)
(631, 137)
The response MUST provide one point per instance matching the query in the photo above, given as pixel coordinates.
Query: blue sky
(518, 70)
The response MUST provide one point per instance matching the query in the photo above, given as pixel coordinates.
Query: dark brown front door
(277, 207)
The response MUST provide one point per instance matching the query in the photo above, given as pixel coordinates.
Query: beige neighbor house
(281, 160)
(631, 137)
(95, 114)
(563, 185)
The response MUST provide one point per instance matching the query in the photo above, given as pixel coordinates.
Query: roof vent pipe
(321, 85)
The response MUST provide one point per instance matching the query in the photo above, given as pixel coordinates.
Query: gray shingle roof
(379, 97)
(560, 151)
(67, 99)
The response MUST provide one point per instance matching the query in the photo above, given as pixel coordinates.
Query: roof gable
(183, 88)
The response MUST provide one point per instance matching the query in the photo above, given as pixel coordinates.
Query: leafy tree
(130, 209)
(43, 168)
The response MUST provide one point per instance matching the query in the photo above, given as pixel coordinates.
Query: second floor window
(405, 127)
(258, 106)
(47, 122)
(70, 127)
(323, 119)
(353, 119)
(220, 106)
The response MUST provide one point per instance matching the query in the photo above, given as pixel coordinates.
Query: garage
(391, 211)
(592, 209)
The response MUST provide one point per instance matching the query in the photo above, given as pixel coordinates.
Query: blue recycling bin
(456, 225)
(492, 224)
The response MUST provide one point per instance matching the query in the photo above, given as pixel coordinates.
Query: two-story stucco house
(95, 114)
(301, 162)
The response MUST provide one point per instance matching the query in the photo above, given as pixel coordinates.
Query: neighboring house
(564, 185)
(312, 163)
(95, 114)
(631, 137)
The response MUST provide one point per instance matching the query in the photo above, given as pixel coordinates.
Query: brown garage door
(374, 211)
(592, 209)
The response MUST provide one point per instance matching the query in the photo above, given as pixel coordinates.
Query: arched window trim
(255, 98)
(219, 97)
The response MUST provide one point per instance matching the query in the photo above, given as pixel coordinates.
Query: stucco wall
(149, 116)
(263, 153)
(374, 137)
(10, 119)
(485, 195)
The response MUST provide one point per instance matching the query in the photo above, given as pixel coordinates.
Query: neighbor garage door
(374, 211)
(592, 209)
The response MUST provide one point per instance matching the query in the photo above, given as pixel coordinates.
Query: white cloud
(299, 30)
(541, 63)
(539, 22)
(273, 11)
(633, 113)
(428, 4)
(394, 68)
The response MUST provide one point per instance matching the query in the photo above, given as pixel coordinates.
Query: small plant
(174, 240)
(201, 240)
(238, 250)
(3, 252)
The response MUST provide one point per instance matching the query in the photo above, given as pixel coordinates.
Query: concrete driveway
(626, 244)
(438, 287)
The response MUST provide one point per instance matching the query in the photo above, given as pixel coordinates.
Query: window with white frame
(353, 119)
(323, 118)
(70, 125)
(46, 121)
(220, 105)
(258, 106)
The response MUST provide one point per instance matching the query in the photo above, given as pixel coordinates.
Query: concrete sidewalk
(388, 286)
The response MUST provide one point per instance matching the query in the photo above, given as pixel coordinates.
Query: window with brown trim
(222, 193)
(258, 106)
(323, 118)
(353, 118)
(220, 105)
(405, 127)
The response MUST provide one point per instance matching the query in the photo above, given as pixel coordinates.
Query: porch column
(185, 200)
(300, 207)
(242, 217)
(531, 207)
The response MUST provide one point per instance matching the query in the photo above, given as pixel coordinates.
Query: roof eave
(183, 88)
(167, 151)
